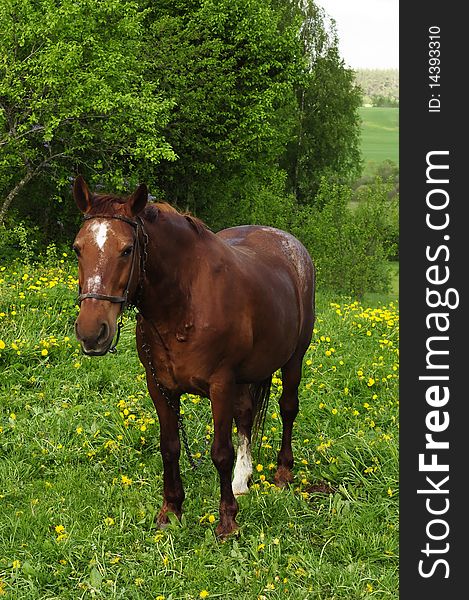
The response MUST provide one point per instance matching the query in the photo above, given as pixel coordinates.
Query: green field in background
(380, 135)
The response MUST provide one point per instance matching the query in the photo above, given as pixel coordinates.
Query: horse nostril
(103, 333)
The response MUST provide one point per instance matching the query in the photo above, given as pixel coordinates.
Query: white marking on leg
(100, 231)
(243, 468)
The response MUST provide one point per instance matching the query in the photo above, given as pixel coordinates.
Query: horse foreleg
(170, 447)
(222, 396)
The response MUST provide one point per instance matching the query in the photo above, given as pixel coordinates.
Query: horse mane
(151, 214)
(103, 204)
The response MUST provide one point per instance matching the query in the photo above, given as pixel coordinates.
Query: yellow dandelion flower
(2, 345)
(16, 564)
(259, 468)
(109, 521)
(203, 594)
(44, 352)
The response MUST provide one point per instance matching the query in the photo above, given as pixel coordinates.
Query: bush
(351, 248)
(254, 200)
(18, 243)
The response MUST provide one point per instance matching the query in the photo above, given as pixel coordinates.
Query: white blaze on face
(100, 232)
(243, 468)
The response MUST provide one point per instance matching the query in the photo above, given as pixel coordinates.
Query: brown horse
(218, 315)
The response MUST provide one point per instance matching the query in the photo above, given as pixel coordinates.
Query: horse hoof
(165, 517)
(283, 477)
(240, 491)
(223, 533)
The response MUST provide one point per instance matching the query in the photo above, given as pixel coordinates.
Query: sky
(368, 31)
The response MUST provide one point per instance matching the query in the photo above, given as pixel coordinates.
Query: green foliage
(230, 67)
(18, 242)
(384, 101)
(255, 199)
(74, 94)
(351, 247)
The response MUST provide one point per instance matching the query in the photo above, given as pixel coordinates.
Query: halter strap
(114, 299)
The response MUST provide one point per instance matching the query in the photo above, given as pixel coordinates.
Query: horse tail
(260, 393)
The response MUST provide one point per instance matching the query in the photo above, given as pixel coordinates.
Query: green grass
(81, 475)
(380, 135)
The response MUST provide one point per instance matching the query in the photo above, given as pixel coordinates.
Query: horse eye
(127, 251)
(76, 250)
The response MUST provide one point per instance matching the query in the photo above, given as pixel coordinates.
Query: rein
(124, 302)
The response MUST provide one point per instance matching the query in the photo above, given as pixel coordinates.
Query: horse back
(273, 249)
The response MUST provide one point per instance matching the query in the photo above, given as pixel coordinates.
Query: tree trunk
(11, 196)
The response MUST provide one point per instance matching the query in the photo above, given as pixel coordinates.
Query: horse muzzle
(96, 341)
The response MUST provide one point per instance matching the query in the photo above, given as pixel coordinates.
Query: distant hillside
(380, 86)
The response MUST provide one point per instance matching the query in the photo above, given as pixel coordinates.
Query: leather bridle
(137, 254)
(124, 299)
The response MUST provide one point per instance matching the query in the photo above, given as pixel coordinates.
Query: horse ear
(82, 194)
(138, 200)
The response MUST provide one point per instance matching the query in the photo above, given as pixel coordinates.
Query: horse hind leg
(244, 419)
(289, 406)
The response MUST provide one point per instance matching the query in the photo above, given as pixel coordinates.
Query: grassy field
(81, 475)
(380, 135)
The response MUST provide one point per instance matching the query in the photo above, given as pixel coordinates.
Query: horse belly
(276, 331)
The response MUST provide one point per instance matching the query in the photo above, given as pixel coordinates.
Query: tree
(231, 68)
(73, 95)
(327, 137)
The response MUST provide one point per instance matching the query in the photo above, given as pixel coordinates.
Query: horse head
(108, 251)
